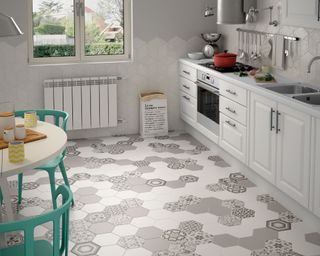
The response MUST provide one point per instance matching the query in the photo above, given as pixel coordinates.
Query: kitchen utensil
(242, 55)
(196, 55)
(278, 52)
(266, 48)
(225, 59)
(208, 51)
(211, 38)
(239, 46)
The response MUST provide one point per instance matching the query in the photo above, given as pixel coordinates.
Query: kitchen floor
(165, 196)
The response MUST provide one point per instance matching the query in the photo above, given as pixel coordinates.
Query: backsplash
(304, 50)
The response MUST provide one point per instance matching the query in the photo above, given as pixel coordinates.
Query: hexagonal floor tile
(106, 239)
(85, 249)
(278, 225)
(125, 230)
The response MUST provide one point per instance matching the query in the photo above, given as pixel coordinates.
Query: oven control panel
(207, 78)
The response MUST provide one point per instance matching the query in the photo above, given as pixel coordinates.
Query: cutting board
(31, 136)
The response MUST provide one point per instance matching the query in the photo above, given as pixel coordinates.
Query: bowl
(211, 37)
(196, 55)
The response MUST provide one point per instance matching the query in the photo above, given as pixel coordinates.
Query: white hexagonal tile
(125, 230)
(90, 208)
(142, 222)
(137, 252)
(106, 239)
(113, 250)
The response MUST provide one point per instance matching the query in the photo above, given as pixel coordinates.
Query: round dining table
(37, 153)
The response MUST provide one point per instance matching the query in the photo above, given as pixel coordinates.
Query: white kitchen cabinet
(188, 108)
(293, 153)
(233, 137)
(301, 13)
(262, 137)
(280, 141)
(315, 188)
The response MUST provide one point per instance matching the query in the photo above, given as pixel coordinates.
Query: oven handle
(212, 89)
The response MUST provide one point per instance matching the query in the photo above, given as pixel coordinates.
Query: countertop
(250, 84)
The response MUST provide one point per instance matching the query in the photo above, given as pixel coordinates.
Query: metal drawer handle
(277, 124)
(187, 98)
(271, 119)
(231, 124)
(186, 72)
(231, 92)
(318, 10)
(187, 87)
(231, 110)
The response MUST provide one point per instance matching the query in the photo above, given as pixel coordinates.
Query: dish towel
(278, 52)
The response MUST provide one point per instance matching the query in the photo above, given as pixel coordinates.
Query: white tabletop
(39, 152)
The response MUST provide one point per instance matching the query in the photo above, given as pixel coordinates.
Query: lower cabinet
(188, 107)
(280, 141)
(293, 153)
(233, 137)
(262, 156)
(316, 177)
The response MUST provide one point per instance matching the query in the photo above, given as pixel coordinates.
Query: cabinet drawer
(188, 87)
(233, 137)
(188, 72)
(233, 92)
(233, 110)
(188, 107)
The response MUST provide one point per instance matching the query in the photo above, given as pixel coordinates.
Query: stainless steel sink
(291, 89)
(312, 99)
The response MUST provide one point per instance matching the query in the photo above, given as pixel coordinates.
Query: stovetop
(237, 68)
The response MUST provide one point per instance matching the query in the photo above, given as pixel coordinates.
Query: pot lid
(226, 54)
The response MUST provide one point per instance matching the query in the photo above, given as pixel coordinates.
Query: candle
(6, 120)
(16, 152)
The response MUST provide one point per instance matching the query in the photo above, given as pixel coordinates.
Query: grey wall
(164, 31)
(305, 49)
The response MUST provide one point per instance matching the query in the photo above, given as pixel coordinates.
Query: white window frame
(80, 40)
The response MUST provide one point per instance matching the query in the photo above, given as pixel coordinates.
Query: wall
(163, 32)
(304, 50)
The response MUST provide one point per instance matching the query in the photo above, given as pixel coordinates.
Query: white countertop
(250, 84)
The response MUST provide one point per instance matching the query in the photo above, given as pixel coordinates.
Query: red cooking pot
(225, 59)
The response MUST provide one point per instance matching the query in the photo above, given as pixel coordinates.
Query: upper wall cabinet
(304, 13)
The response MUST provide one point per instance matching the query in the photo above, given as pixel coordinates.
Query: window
(79, 30)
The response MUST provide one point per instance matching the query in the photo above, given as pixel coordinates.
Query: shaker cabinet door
(293, 153)
(301, 13)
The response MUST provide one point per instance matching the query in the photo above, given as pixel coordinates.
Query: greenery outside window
(63, 31)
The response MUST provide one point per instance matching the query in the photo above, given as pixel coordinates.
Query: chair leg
(65, 177)
(20, 183)
(51, 173)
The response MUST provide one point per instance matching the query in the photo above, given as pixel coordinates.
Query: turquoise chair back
(60, 117)
(57, 217)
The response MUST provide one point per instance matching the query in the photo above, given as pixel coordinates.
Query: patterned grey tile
(131, 203)
(190, 226)
(200, 237)
(174, 235)
(121, 186)
(121, 219)
(14, 239)
(229, 220)
(289, 217)
(278, 225)
(97, 217)
(149, 233)
(243, 212)
(30, 185)
(131, 242)
(278, 246)
(85, 249)
(156, 182)
(115, 209)
(81, 236)
(189, 178)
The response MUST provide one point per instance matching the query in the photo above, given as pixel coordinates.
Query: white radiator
(90, 102)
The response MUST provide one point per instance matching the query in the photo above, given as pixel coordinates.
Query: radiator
(91, 102)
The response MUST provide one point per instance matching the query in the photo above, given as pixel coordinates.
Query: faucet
(311, 62)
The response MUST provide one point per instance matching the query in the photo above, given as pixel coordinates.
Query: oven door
(208, 107)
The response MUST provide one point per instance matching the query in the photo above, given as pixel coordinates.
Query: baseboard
(308, 217)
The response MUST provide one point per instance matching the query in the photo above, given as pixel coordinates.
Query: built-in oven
(208, 102)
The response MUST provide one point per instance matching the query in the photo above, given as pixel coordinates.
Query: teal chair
(31, 247)
(60, 119)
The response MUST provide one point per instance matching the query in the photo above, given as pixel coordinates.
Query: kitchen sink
(291, 89)
(312, 99)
